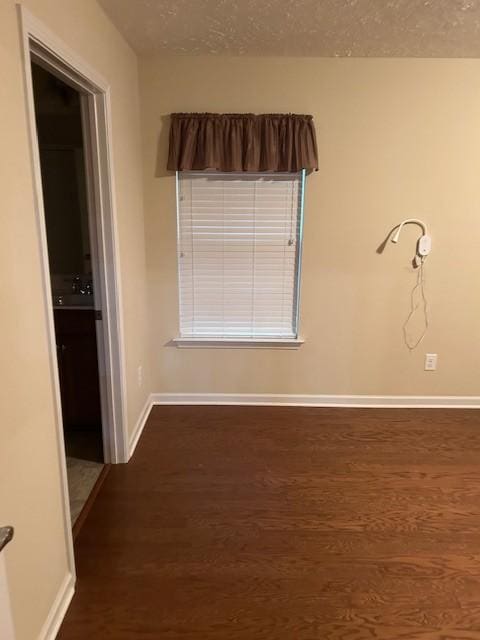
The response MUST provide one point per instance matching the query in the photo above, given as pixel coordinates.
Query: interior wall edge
(139, 426)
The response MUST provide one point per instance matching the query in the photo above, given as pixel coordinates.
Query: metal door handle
(6, 534)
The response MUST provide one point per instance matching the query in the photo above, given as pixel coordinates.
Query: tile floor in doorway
(82, 476)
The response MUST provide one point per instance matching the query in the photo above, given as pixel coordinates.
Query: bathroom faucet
(76, 285)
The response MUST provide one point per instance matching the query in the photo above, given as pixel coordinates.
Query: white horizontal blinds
(238, 254)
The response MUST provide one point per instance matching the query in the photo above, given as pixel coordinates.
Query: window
(239, 243)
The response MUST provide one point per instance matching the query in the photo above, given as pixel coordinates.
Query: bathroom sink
(72, 300)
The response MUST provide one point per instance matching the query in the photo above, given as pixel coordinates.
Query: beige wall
(29, 468)
(397, 138)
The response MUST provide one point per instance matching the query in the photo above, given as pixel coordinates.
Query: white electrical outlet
(140, 375)
(431, 361)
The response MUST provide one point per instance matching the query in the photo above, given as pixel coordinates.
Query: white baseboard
(138, 430)
(290, 400)
(59, 609)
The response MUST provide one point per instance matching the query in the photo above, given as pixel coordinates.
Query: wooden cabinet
(78, 368)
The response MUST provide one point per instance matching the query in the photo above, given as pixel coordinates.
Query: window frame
(248, 341)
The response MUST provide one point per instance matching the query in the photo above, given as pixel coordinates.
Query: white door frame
(39, 44)
(6, 619)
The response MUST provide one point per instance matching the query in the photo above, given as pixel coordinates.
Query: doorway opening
(64, 170)
(44, 49)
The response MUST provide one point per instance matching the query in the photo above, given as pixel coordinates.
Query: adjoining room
(58, 111)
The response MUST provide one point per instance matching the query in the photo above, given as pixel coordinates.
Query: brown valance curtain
(242, 142)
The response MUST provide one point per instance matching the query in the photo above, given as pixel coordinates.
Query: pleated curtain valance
(242, 142)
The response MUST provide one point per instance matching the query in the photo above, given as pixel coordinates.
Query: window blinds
(239, 238)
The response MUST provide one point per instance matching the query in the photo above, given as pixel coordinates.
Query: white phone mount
(424, 244)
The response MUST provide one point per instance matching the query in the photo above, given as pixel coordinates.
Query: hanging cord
(420, 286)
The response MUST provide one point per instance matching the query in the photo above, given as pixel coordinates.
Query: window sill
(238, 343)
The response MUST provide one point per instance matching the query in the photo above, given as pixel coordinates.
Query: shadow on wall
(161, 170)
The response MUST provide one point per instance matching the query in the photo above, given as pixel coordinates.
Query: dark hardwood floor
(236, 523)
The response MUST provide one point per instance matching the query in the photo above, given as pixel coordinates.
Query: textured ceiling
(390, 28)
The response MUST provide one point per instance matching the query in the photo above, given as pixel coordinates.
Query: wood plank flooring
(236, 523)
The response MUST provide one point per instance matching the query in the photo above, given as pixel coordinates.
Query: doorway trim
(40, 45)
